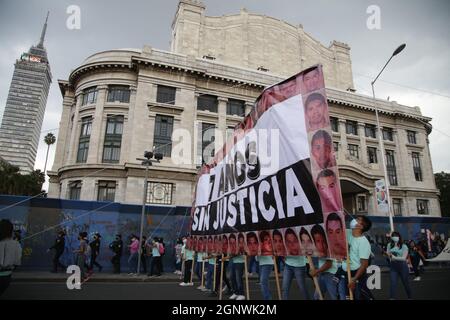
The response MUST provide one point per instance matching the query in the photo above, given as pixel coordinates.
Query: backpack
(161, 249)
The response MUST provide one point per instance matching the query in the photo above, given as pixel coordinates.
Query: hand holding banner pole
(316, 282)
(277, 280)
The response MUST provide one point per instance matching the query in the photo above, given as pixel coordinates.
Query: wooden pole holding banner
(182, 268)
(203, 273)
(221, 278)
(349, 274)
(316, 282)
(214, 275)
(192, 269)
(246, 278)
(277, 280)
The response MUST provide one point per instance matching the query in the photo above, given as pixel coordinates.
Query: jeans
(299, 273)
(264, 273)
(209, 277)
(224, 275)
(253, 262)
(198, 270)
(399, 269)
(361, 291)
(132, 262)
(237, 282)
(328, 284)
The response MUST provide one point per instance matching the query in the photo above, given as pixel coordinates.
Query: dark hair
(290, 231)
(400, 240)
(310, 70)
(367, 223)
(333, 217)
(317, 229)
(224, 236)
(252, 235)
(313, 97)
(262, 234)
(325, 174)
(232, 236)
(322, 134)
(302, 232)
(6, 229)
(210, 237)
(277, 233)
(241, 235)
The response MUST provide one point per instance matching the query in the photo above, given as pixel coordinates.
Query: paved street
(435, 284)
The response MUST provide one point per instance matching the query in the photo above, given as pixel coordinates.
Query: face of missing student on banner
(329, 190)
(210, 245)
(320, 240)
(224, 245)
(316, 113)
(336, 236)
(321, 149)
(278, 244)
(292, 245)
(189, 243)
(252, 244)
(306, 242)
(200, 244)
(215, 245)
(233, 245)
(241, 244)
(312, 80)
(194, 244)
(266, 243)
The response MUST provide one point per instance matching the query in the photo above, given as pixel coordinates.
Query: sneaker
(204, 289)
(240, 298)
(184, 284)
(417, 279)
(200, 287)
(234, 296)
(131, 273)
(190, 284)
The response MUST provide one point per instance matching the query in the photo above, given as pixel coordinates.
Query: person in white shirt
(10, 254)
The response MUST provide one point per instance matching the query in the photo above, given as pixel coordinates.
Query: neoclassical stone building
(120, 103)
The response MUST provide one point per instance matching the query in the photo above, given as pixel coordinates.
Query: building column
(127, 129)
(96, 140)
(248, 107)
(222, 125)
(362, 142)
(343, 141)
(75, 132)
(63, 133)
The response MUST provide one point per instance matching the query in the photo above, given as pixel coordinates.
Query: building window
(162, 138)
(353, 150)
(411, 136)
(236, 107)
(372, 155)
(334, 124)
(165, 94)
(159, 193)
(370, 130)
(74, 190)
(336, 146)
(207, 102)
(387, 134)
(113, 139)
(85, 135)
(119, 94)
(422, 206)
(106, 191)
(416, 166)
(397, 206)
(206, 138)
(390, 167)
(361, 203)
(351, 127)
(89, 96)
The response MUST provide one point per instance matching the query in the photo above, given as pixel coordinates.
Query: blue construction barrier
(39, 219)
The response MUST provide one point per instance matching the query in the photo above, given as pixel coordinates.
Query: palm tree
(49, 139)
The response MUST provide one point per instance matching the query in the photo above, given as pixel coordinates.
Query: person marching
(210, 273)
(327, 278)
(415, 256)
(237, 273)
(188, 257)
(295, 266)
(81, 253)
(265, 268)
(11, 254)
(117, 248)
(199, 268)
(95, 252)
(155, 269)
(178, 248)
(58, 246)
(398, 253)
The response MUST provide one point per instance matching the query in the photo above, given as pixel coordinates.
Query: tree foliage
(443, 184)
(12, 182)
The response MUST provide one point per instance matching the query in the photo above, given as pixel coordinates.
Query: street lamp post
(380, 138)
(148, 161)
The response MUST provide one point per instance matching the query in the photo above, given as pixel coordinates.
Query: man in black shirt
(95, 251)
(59, 250)
(117, 247)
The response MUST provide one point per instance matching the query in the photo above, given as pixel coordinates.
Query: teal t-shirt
(396, 251)
(295, 261)
(238, 259)
(359, 248)
(334, 267)
(155, 251)
(189, 254)
(265, 260)
(200, 256)
(211, 261)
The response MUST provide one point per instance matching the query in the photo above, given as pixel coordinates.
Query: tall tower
(25, 107)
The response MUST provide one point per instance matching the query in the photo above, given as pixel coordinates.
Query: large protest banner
(273, 189)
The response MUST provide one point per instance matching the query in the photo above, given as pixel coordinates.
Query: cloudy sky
(419, 76)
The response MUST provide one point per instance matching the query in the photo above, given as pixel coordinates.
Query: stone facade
(192, 76)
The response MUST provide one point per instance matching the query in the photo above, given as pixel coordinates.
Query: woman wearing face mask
(398, 253)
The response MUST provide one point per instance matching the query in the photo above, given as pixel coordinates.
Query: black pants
(155, 266)
(94, 263)
(362, 292)
(57, 263)
(144, 262)
(187, 271)
(415, 261)
(116, 263)
(224, 276)
(4, 283)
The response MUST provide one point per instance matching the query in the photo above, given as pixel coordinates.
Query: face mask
(395, 239)
(353, 224)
